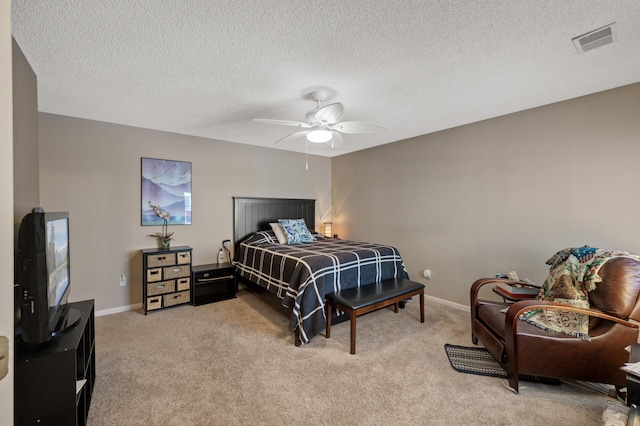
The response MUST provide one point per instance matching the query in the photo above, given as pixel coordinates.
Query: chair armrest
(475, 288)
(519, 308)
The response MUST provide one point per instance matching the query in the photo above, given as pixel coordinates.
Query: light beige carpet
(234, 363)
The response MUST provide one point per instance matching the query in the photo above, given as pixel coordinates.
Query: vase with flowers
(164, 236)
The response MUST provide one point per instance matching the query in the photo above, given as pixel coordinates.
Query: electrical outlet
(123, 280)
(427, 273)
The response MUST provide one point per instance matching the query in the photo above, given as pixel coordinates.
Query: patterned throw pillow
(296, 231)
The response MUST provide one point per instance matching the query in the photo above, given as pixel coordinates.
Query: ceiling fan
(323, 124)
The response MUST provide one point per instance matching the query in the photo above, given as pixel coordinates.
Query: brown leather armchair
(522, 348)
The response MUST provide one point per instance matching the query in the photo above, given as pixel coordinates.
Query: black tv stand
(54, 380)
(69, 318)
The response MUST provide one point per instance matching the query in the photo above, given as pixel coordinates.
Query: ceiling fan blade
(336, 140)
(330, 114)
(358, 127)
(292, 136)
(282, 122)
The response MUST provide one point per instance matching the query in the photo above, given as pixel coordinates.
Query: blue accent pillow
(296, 231)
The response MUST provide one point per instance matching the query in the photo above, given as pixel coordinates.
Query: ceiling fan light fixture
(324, 124)
(319, 136)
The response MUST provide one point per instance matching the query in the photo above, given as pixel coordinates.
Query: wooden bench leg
(328, 332)
(353, 316)
(388, 293)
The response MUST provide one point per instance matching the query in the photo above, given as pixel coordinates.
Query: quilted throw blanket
(573, 273)
(302, 274)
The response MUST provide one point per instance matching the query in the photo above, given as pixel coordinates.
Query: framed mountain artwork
(166, 192)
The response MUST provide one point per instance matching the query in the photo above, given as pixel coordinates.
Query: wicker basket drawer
(154, 274)
(164, 259)
(176, 298)
(184, 257)
(183, 284)
(177, 271)
(161, 288)
(154, 303)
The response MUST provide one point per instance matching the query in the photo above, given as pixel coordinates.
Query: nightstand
(167, 276)
(213, 282)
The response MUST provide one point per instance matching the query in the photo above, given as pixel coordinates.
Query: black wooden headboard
(255, 214)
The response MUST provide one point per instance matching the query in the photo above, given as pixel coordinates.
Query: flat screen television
(44, 276)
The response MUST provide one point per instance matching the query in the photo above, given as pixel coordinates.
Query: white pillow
(279, 231)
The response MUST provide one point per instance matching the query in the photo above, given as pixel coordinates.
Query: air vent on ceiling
(596, 38)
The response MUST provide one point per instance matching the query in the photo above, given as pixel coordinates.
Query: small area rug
(474, 361)
(479, 361)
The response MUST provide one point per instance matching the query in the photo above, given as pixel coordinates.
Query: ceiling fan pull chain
(306, 154)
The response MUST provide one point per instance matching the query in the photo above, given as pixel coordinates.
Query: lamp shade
(319, 136)
(327, 229)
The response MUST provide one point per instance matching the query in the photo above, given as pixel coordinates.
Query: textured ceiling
(207, 68)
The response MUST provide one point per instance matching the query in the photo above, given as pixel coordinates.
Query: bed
(301, 275)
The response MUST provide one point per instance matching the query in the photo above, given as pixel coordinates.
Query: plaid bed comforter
(302, 274)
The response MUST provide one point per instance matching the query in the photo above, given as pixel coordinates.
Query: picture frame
(165, 184)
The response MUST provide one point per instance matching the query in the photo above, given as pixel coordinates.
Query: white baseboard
(139, 306)
(448, 303)
(119, 309)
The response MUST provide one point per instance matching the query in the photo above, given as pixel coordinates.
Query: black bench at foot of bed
(360, 300)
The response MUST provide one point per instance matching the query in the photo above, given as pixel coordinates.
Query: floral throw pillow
(296, 231)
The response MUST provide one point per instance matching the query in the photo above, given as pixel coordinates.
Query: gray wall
(26, 191)
(92, 170)
(19, 175)
(502, 194)
(489, 197)
(6, 207)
